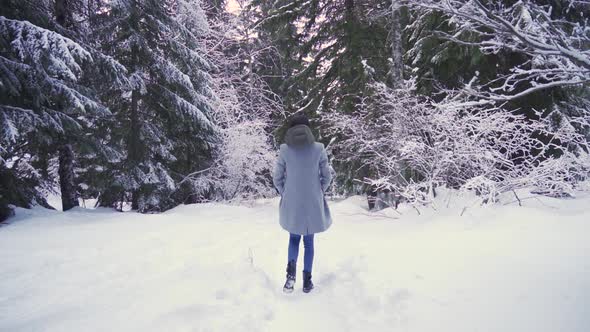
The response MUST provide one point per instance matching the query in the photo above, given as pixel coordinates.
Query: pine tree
(278, 47)
(346, 49)
(163, 122)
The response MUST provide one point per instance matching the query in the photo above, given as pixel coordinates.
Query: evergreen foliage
(163, 124)
(47, 98)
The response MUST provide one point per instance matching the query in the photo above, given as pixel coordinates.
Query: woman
(301, 176)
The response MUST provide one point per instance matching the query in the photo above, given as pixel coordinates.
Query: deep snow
(214, 267)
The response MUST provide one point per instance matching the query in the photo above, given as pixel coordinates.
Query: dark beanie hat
(298, 119)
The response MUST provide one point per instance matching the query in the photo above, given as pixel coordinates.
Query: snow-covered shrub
(244, 156)
(243, 107)
(413, 145)
(242, 104)
(472, 139)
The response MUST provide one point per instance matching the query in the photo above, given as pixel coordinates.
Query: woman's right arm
(278, 175)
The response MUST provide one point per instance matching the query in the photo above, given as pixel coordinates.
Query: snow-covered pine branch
(39, 77)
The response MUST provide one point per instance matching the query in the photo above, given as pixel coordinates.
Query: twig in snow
(518, 199)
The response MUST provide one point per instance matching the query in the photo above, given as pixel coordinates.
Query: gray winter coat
(302, 175)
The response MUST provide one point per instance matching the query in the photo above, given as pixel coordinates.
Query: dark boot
(307, 284)
(291, 270)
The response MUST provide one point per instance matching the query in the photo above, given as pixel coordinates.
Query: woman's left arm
(325, 175)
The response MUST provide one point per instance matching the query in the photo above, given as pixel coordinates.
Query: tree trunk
(63, 16)
(396, 71)
(69, 197)
(135, 200)
(134, 148)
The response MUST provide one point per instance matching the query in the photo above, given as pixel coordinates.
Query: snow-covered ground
(214, 267)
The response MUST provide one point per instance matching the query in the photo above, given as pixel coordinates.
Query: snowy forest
(146, 105)
(158, 164)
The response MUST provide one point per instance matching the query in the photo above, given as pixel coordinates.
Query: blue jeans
(294, 250)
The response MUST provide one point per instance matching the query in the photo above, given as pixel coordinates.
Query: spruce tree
(163, 123)
(276, 31)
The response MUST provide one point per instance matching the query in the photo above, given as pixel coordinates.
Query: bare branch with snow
(558, 49)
